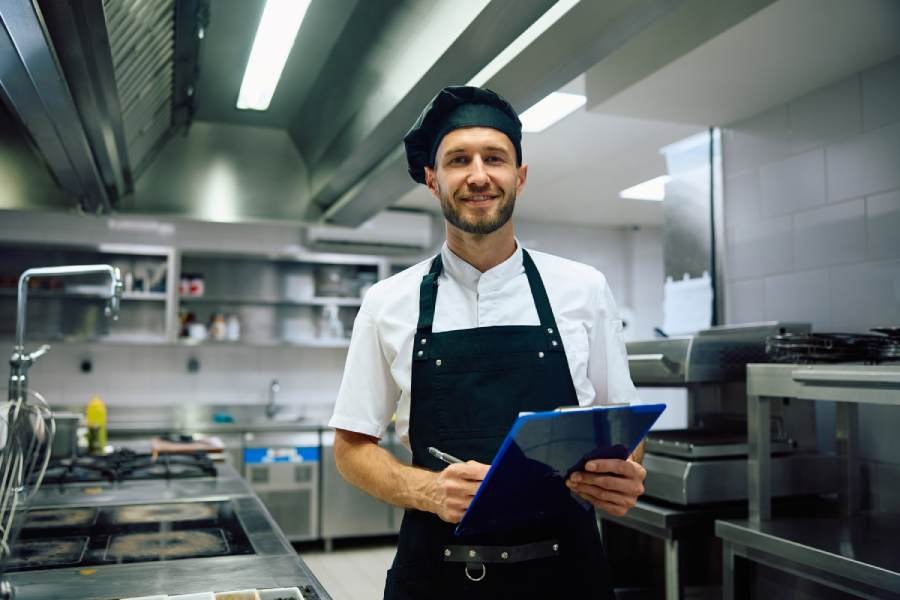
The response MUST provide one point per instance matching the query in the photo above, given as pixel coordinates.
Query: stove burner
(67, 517)
(831, 348)
(162, 545)
(163, 513)
(127, 465)
(44, 553)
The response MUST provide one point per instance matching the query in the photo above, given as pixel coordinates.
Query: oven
(707, 461)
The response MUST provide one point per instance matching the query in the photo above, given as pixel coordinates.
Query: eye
(495, 159)
(458, 160)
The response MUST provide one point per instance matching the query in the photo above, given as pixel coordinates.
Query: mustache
(465, 194)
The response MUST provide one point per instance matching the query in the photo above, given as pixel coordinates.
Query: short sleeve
(608, 361)
(368, 395)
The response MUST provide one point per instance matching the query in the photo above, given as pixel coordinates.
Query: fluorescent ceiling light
(652, 189)
(273, 42)
(550, 110)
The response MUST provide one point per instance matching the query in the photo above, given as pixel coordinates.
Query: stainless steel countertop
(275, 564)
(153, 420)
(665, 521)
(861, 548)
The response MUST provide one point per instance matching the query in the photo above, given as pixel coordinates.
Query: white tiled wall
(812, 213)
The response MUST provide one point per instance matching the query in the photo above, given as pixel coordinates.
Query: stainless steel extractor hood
(142, 118)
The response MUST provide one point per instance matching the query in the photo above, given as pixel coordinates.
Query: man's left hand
(612, 485)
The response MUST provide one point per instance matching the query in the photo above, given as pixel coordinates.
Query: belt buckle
(480, 577)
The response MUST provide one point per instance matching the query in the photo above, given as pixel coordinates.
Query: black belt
(479, 556)
(501, 554)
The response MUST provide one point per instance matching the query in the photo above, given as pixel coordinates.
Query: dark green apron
(468, 387)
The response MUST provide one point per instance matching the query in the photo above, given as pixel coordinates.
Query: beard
(483, 225)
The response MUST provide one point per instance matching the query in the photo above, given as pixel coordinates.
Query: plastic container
(95, 417)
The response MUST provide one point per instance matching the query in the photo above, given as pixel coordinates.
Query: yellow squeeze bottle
(95, 415)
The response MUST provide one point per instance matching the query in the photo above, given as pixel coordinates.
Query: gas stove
(91, 536)
(126, 465)
(138, 536)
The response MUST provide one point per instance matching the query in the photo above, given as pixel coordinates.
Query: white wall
(812, 214)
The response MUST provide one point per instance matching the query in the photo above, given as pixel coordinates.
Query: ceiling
(578, 166)
(329, 148)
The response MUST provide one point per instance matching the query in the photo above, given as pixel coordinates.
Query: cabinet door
(347, 511)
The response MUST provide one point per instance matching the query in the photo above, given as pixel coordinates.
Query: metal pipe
(21, 361)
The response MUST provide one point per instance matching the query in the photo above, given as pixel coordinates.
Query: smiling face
(476, 179)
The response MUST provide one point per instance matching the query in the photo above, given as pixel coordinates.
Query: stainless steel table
(858, 555)
(274, 563)
(857, 552)
(671, 525)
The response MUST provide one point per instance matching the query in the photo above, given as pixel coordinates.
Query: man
(456, 347)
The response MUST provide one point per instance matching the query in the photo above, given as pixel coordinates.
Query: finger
(610, 482)
(626, 468)
(472, 470)
(595, 495)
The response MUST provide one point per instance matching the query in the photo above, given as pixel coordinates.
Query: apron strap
(428, 297)
(539, 295)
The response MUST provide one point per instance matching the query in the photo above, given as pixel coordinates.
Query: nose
(478, 175)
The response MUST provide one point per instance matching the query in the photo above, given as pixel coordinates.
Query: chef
(455, 347)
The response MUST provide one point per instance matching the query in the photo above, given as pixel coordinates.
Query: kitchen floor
(352, 573)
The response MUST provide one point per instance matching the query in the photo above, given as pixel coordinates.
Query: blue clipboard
(526, 481)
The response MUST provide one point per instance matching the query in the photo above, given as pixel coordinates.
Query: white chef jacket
(378, 373)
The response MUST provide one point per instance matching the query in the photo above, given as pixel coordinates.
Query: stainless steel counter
(274, 564)
(672, 524)
(857, 555)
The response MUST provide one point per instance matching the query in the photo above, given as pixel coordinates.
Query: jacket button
(447, 552)
(553, 342)
(549, 330)
(420, 353)
(504, 555)
(438, 362)
(422, 341)
(540, 355)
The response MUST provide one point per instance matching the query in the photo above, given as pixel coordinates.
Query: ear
(521, 176)
(431, 181)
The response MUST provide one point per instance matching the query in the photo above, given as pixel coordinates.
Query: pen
(447, 458)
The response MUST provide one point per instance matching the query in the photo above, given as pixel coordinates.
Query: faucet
(21, 361)
(271, 407)
(17, 463)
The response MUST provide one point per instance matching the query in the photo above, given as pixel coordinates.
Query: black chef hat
(452, 108)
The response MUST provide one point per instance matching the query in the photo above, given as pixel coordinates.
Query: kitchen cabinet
(72, 309)
(304, 301)
(348, 511)
(299, 298)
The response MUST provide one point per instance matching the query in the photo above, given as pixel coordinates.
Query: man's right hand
(451, 490)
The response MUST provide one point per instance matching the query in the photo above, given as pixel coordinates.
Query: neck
(482, 251)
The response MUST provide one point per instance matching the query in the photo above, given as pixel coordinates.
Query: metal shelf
(86, 295)
(850, 553)
(859, 384)
(856, 554)
(319, 301)
(308, 343)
